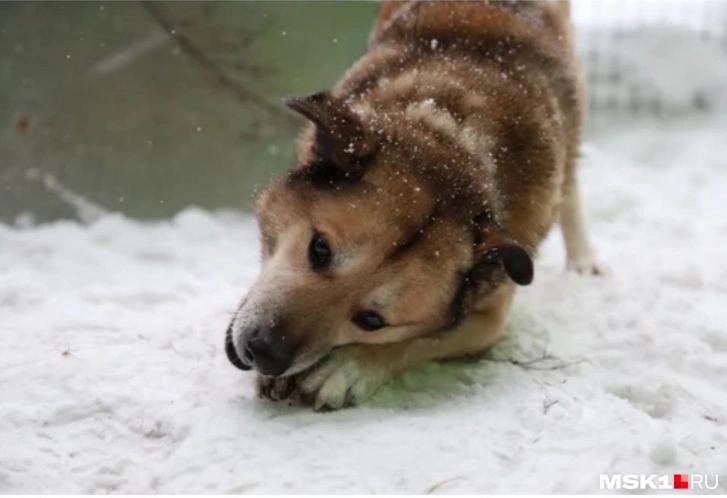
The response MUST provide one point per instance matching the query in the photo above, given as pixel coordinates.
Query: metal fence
(663, 58)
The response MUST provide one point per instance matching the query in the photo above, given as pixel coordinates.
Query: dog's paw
(274, 388)
(345, 378)
(586, 265)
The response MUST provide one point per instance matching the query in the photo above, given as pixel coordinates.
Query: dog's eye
(319, 252)
(369, 320)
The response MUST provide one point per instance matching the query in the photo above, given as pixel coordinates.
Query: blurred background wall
(147, 109)
(99, 100)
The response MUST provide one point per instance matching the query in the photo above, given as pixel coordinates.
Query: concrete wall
(100, 98)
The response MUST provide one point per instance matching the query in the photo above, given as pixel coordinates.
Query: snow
(113, 377)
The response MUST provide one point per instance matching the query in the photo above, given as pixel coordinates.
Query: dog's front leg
(580, 255)
(350, 374)
(274, 388)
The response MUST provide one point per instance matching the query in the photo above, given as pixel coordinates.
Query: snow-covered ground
(113, 377)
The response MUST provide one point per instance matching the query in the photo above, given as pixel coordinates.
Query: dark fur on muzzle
(230, 350)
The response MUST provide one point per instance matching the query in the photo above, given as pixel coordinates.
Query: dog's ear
(494, 248)
(340, 135)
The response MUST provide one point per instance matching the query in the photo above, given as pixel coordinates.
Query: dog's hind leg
(580, 255)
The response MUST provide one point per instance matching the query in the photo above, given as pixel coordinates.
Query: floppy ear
(340, 135)
(495, 248)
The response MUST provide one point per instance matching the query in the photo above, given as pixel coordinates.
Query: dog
(420, 190)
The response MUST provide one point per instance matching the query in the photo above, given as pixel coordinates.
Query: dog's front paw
(346, 377)
(586, 265)
(274, 388)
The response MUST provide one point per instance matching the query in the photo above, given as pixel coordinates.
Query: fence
(653, 57)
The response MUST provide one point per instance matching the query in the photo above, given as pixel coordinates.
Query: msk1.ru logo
(659, 481)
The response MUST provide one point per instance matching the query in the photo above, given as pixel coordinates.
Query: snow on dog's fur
(421, 189)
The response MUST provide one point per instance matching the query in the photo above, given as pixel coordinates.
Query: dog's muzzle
(262, 347)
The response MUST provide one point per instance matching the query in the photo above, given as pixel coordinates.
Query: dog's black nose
(269, 356)
(231, 353)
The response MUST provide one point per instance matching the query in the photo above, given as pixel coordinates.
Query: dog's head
(359, 246)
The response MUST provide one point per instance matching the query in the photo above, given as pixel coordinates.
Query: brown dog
(421, 188)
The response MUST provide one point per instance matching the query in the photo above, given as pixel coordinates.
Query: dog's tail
(388, 8)
(559, 7)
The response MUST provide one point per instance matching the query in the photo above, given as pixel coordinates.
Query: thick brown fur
(435, 167)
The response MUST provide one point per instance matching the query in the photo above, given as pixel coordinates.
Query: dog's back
(497, 78)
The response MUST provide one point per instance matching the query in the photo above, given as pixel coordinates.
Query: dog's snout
(267, 350)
